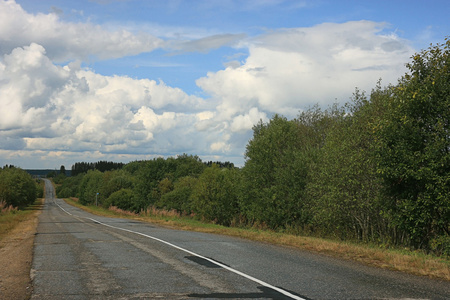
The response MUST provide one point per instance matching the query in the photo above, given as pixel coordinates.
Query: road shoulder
(16, 255)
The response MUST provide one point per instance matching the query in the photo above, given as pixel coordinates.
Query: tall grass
(10, 216)
(121, 211)
(163, 213)
(6, 209)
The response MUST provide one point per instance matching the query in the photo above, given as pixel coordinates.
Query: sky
(126, 80)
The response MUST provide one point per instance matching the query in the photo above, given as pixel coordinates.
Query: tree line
(102, 166)
(376, 169)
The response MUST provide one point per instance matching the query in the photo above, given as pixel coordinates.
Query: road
(78, 255)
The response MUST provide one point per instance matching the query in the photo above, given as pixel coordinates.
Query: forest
(375, 170)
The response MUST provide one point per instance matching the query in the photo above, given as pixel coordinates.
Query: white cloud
(67, 41)
(50, 112)
(65, 108)
(289, 69)
(245, 122)
(220, 147)
(28, 79)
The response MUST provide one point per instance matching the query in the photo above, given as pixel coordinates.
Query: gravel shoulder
(16, 254)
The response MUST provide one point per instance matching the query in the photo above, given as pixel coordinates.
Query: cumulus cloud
(247, 121)
(52, 110)
(67, 41)
(289, 69)
(28, 79)
(53, 107)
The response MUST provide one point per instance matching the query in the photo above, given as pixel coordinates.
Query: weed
(6, 209)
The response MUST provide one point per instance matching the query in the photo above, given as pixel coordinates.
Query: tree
(414, 147)
(17, 188)
(188, 165)
(180, 197)
(102, 166)
(123, 199)
(345, 188)
(148, 175)
(90, 187)
(214, 196)
(62, 170)
(274, 174)
(116, 180)
(69, 186)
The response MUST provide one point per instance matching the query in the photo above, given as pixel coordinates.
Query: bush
(69, 187)
(17, 188)
(179, 197)
(214, 197)
(39, 189)
(441, 245)
(123, 199)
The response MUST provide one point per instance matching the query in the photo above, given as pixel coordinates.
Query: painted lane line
(286, 293)
(64, 209)
(206, 258)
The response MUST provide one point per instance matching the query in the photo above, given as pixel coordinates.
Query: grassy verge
(416, 263)
(10, 218)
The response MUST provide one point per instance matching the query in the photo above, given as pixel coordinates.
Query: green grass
(416, 263)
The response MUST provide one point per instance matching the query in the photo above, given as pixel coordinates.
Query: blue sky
(126, 80)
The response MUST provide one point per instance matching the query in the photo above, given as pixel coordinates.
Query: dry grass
(153, 212)
(122, 212)
(5, 208)
(416, 263)
(17, 230)
(10, 217)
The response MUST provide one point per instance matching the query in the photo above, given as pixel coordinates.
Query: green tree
(414, 146)
(114, 181)
(17, 188)
(148, 175)
(345, 188)
(188, 165)
(215, 197)
(69, 186)
(276, 172)
(123, 199)
(62, 170)
(164, 186)
(179, 197)
(90, 188)
(270, 159)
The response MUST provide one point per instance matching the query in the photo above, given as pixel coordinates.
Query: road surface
(78, 255)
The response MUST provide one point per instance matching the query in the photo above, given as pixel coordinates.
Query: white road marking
(286, 293)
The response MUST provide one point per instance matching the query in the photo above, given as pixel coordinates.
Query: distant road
(78, 255)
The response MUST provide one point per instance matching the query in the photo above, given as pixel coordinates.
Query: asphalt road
(81, 256)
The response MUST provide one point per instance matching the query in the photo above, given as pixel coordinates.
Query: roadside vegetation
(11, 217)
(19, 194)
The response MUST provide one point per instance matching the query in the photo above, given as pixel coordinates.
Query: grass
(416, 263)
(10, 217)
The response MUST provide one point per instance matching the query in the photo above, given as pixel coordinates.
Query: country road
(78, 255)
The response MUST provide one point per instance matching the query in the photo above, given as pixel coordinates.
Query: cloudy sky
(124, 80)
